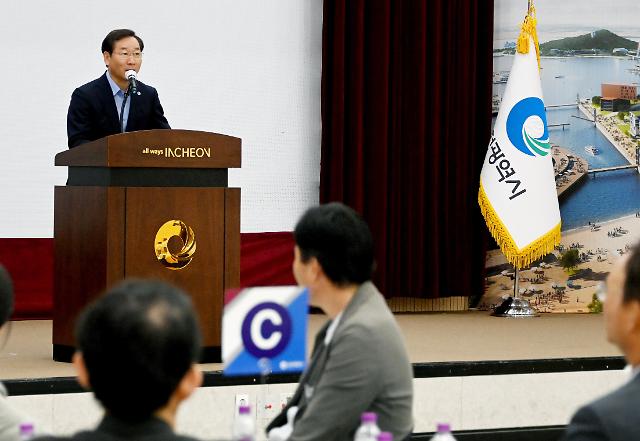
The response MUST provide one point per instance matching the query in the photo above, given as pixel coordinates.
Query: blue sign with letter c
(266, 330)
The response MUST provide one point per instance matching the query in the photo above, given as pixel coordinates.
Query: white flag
(517, 194)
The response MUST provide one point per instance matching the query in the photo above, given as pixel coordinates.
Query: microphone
(132, 76)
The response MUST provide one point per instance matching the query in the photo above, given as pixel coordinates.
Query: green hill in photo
(596, 42)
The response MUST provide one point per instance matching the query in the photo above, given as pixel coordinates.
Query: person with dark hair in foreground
(94, 111)
(138, 346)
(359, 362)
(10, 418)
(615, 417)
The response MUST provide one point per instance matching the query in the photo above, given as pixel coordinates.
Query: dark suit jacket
(93, 114)
(614, 417)
(364, 368)
(114, 429)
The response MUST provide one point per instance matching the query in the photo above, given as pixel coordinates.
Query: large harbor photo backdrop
(591, 84)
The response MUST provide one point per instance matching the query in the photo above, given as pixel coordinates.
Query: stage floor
(430, 337)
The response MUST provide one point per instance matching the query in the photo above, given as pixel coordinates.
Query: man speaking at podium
(96, 108)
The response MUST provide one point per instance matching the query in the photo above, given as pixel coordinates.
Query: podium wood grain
(89, 251)
(202, 209)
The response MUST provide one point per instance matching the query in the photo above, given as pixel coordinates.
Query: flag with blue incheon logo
(517, 196)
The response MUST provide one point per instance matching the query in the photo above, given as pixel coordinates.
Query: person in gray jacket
(615, 417)
(359, 362)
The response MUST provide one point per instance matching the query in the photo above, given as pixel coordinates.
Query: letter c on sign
(266, 330)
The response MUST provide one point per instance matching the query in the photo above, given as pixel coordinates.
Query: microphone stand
(124, 101)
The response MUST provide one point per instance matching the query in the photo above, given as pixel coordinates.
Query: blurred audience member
(359, 362)
(616, 415)
(10, 418)
(138, 346)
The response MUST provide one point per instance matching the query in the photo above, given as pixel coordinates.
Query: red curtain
(30, 265)
(406, 99)
(265, 260)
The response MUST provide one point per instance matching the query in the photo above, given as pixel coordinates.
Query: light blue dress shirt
(118, 97)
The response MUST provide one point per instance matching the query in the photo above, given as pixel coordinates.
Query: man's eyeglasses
(135, 55)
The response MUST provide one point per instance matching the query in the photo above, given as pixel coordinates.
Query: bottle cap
(244, 410)
(369, 417)
(26, 428)
(443, 428)
(385, 436)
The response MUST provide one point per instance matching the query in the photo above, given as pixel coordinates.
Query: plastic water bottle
(368, 430)
(244, 428)
(443, 433)
(385, 436)
(26, 431)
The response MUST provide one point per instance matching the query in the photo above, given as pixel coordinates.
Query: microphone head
(131, 74)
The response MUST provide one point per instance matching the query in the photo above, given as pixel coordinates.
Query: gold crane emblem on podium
(171, 235)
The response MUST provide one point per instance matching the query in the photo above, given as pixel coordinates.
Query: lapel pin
(139, 93)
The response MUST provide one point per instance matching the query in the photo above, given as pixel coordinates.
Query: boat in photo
(591, 150)
(501, 77)
(495, 104)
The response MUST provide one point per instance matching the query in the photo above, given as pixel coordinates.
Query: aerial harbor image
(590, 75)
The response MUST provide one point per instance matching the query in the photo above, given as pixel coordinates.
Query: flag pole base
(515, 307)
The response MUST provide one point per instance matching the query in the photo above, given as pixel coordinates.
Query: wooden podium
(151, 204)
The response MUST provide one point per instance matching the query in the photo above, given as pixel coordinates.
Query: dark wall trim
(64, 385)
(515, 367)
(148, 177)
(208, 354)
(43, 386)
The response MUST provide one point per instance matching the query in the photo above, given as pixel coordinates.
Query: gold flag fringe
(528, 30)
(520, 258)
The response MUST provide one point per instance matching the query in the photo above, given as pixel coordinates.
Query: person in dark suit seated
(616, 416)
(138, 346)
(359, 361)
(94, 111)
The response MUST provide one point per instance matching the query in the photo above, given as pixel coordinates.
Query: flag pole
(514, 306)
